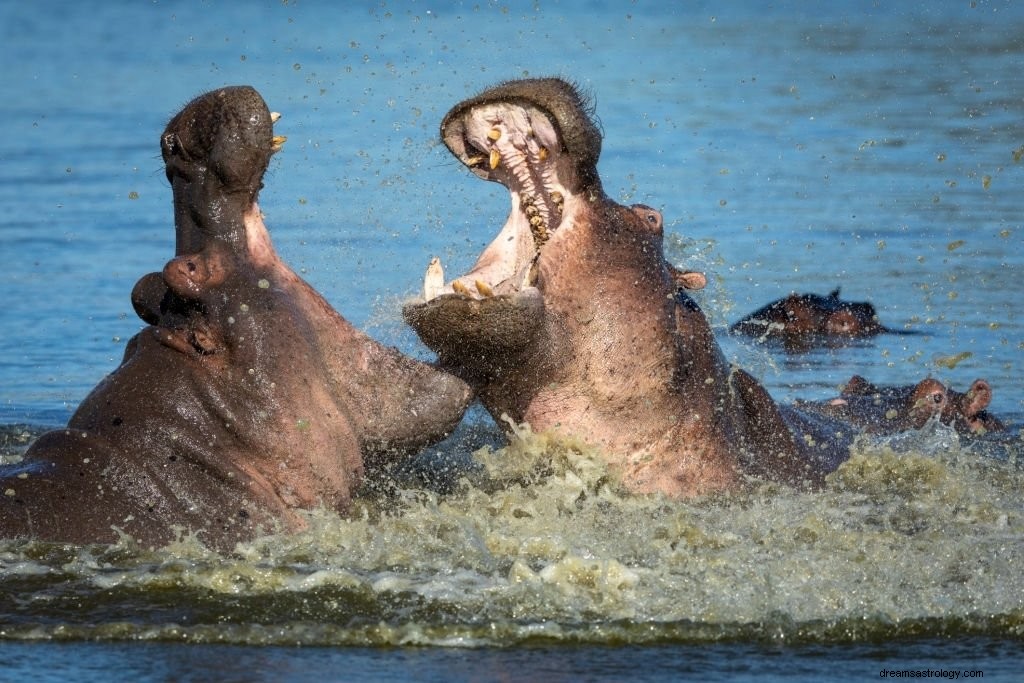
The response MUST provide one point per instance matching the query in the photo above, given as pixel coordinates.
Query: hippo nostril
(191, 267)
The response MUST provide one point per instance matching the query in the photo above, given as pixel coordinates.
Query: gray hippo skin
(891, 409)
(572, 319)
(247, 398)
(801, 321)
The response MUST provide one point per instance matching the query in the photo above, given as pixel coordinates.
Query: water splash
(538, 542)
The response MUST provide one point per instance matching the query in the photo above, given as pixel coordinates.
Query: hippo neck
(600, 280)
(608, 293)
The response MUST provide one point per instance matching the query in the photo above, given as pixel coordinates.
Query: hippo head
(887, 409)
(572, 318)
(215, 152)
(966, 412)
(538, 138)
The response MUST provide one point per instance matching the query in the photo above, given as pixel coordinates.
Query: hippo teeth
(433, 284)
(276, 142)
(538, 221)
(518, 146)
(433, 280)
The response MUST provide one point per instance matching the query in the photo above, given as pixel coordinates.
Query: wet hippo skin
(891, 409)
(247, 398)
(805, 320)
(571, 319)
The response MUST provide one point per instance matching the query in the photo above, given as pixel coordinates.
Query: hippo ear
(857, 386)
(978, 397)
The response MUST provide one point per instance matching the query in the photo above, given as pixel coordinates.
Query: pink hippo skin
(247, 398)
(572, 319)
(892, 409)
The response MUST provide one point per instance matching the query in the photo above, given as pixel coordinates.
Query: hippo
(247, 398)
(892, 409)
(804, 320)
(571, 319)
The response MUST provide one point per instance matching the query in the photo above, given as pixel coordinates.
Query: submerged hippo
(891, 409)
(803, 320)
(572, 318)
(247, 398)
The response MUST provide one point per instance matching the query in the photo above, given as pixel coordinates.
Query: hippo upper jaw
(215, 152)
(522, 135)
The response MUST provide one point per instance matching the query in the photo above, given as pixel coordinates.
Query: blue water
(145, 663)
(791, 147)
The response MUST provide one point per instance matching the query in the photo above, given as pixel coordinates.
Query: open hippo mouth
(537, 138)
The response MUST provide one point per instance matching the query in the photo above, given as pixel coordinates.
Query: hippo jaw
(215, 152)
(524, 135)
(537, 138)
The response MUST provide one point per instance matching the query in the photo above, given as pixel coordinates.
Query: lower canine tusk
(433, 280)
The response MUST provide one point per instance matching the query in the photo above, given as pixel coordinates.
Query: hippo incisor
(247, 398)
(571, 319)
